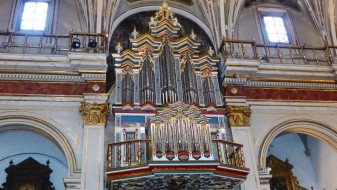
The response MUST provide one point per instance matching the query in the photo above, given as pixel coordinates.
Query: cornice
(245, 82)
(52, 77)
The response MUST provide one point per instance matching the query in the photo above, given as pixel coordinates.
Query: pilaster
(94, 111)
(239, 120)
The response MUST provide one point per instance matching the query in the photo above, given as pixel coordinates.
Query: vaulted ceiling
(217, 17)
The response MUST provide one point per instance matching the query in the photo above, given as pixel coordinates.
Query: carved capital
(94, 114)
(238, 115)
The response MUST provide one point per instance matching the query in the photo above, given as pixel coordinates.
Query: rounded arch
(181, 12)
(44, 128)
(313, 128)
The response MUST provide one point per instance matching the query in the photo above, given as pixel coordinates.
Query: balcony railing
(279, 53)
(127, 154)
(27, 43)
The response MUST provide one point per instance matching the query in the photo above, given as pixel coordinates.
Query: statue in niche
(28, 175)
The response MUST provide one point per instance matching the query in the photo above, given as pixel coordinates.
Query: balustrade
(279, 53)
(128, 153)
(229, 153)
(28, 43)
(140, 152)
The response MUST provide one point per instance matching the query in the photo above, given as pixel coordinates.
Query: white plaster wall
(324, 163)
(290, 146)
(18, 145)
(305, 31)
(60, 112)
(70, 15)
(247, 26)
(267, 115)
(5, 12)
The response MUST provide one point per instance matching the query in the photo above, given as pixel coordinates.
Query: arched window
(33, 15)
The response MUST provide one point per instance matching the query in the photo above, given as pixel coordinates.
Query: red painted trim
(282, 94)
(49, 88)
(177, 168)
(136, 111)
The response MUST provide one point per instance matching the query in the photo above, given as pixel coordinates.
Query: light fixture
(76, 43)
(92, 43)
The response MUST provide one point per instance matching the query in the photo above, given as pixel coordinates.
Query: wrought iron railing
(279, 53)
(30, 43)
(139, 152)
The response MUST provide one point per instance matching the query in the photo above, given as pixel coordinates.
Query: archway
(286, 142)
(44, 129)
(176, 11)
(309, 127)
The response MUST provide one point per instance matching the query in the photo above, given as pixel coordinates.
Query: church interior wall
(63, 115)
(70, 16)
(248, 27)
(290, 146)
(62, 112)
(67, 15)
(5, 13)
(18, 145)
(265, 118)
(323, 159)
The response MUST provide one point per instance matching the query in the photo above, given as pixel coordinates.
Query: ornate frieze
(52, 77)
(246, 82)
(94, 114)
(238, 115)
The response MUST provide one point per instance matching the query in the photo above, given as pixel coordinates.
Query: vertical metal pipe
(129, 154)
(119, 155)
(139, 154)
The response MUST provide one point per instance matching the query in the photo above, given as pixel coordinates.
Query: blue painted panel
(133, 119)
(214, 120)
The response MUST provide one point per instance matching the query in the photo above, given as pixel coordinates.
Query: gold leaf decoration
(94, 114)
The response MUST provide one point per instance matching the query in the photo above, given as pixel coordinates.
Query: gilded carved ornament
(238, 115)
(94, 114)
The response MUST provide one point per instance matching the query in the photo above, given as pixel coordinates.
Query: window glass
(276, 30)
(34, 16)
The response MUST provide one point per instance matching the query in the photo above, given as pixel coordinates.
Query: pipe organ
(162, 68)
(180, 131)
(167, 109)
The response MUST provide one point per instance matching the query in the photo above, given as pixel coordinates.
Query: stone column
(94, 120)
(239, 120)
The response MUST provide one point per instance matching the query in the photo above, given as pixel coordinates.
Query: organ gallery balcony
(244, 58)
(32, 43)
(178, 151)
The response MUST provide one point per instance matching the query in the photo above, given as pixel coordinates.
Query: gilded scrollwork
(94, 114)
(238, 115)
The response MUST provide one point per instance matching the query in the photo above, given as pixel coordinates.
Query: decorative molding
(238, 115)
(55, 78)
(94, 114)
(245, 82)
